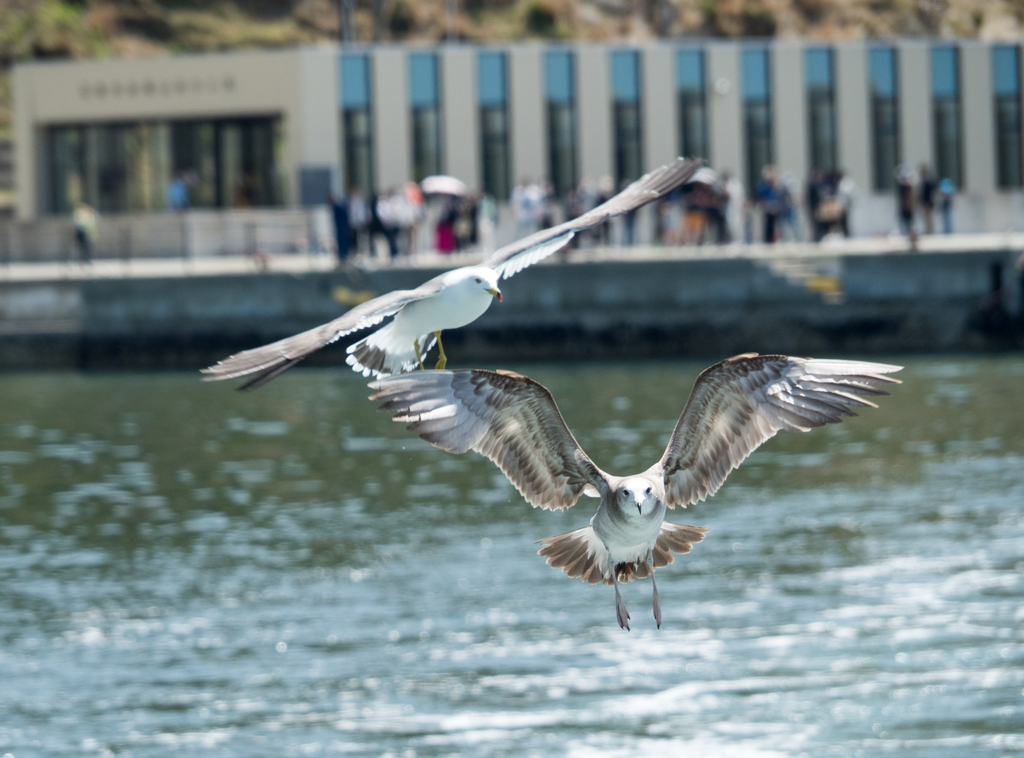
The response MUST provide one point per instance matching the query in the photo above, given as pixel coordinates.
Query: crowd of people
(398, 216)
(920, 193)
(712, 209)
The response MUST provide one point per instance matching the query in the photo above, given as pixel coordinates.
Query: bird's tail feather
(581, 553)
(386, 351)
(577, 553)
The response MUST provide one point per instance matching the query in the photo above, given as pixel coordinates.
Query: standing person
(786, 219)
(412, 214)
(177, 194)
(946, 191)
(605, 189)
(445, 241)
(734, 208)
(545, 205)
(487, 223)
(813, 198)
(522, 209)
(846, 191)
(85, 221)
(767, 195)
(628, 222)
(342, 228)
(388, 213)
(926, 197)
(905, 201)
(358, 219)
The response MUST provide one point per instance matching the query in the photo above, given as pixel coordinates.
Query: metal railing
(187, 234)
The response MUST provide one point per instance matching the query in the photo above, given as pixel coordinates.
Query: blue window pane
(944, 72)
(625, 76)
(690, 70)
(1004, 70)
(423, 79)
(755, 74)
(355, 81)
(491, 80)
(558, 77)
(882, 68)
(818, 68)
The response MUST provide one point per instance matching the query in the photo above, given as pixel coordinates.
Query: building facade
(286, 128)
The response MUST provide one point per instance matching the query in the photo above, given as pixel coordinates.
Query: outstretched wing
(271, 360)
(509, 418)
(513, 258)
(741, 402)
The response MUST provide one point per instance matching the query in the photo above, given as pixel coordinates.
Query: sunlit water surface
(189, 570)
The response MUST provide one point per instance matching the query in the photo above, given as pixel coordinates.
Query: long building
(284, 128)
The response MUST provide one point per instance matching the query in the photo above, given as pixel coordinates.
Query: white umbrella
(705, 175)
(443, 185)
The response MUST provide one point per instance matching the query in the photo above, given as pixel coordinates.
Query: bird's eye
(478, 281)
(648, 490)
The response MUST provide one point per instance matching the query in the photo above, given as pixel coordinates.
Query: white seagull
(734, 407)
(448, 301)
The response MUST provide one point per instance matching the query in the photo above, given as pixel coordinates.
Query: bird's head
(639, 493)
(486, 279)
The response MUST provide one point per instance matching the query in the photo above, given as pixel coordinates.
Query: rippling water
(189, 570)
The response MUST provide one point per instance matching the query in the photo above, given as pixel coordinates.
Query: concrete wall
(709, 307)
(594, 112)
(853, 114)
(725, 127)
(461, 114)
(529, 138)
(660, 100)
(914, 84)
(317, 132)
(977, 112)
(789, 111)
(392, 143)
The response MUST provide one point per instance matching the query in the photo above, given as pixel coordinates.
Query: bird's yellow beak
(496, 292)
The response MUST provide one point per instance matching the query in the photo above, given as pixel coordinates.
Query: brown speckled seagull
(734, 407)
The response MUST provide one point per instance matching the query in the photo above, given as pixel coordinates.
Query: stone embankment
(848, 297)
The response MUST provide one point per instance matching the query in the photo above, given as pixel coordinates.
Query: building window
(246, 153)
(626, 112)
(426, 115)
(757, 119)
(821, 108)
(1006, 90)
(493, 94)
(560, 91)
(68, 177)
(357, 123)
(120, 168)
(884, 116)
(946, 114)
(693, 134)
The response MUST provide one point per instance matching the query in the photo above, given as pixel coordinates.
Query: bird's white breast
(628, 537)
(450, 308)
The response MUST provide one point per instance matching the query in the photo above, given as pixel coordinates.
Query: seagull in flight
(448, 301)
(734, 407)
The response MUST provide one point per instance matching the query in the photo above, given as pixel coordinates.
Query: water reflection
(184, 568)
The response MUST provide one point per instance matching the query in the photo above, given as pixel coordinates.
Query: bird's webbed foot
(657, 605)
(621, 614)
(657, 602)
(442, 359)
